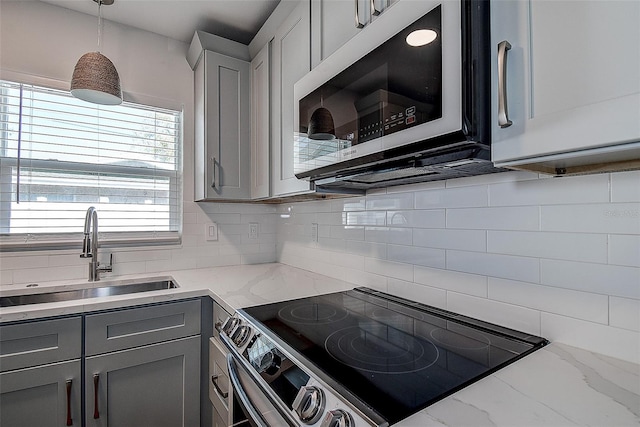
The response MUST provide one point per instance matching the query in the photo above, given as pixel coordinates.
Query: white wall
(40, 44)
(557, 257)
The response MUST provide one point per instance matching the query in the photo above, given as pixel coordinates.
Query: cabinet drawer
(118, 330)
(218, 375)
(37, 343)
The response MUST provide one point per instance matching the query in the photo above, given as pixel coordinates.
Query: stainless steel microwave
(406, 100)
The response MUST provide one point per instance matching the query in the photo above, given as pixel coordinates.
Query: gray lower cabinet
(43, 396)
(141, 368)
(40, 379)
(156, 385)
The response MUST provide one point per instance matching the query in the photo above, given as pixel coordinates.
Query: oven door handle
(246, 401)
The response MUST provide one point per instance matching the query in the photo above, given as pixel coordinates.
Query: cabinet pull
(358, 23)
(96, 380)
(503, 113)
(213, 173)
(214, 380)
(374, 11)
(69, 420)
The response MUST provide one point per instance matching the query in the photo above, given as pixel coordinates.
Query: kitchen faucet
(90, 246)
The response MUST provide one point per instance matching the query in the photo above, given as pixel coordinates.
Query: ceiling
(237, 20)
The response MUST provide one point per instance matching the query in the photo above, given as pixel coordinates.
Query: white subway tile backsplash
(551, 191)
(378, 218)
(465, 240)
(522, 218)
(36, 275)
(589, 277)
(24, 262)
(416, 187)
(462, 197)
(426, 257)
(621, 343)
(624, 250)
(625, 187)
(523, 269)
(508, 315)
(348, 232)
(329, 218)
(368, 249)
(470, 284)
(400, 236)
(615, 218)
(347, 204)
(624, 313)
(581, 305)
(395, 270)
(568, 246)
(395, 201)
(434, 218)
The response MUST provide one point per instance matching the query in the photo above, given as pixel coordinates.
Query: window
(60, 155)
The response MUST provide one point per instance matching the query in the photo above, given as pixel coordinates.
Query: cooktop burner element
(312, 313)
(380, 349)
(388, 356)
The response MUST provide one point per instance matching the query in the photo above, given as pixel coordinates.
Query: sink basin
(105, 291)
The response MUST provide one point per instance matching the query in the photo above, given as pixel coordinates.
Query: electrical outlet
(314, 232)
(253, 230)
(211, 232)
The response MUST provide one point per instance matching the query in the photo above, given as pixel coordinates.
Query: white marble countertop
(555, 386)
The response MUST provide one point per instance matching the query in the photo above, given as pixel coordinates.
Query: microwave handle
(503, 113)
(358, 23)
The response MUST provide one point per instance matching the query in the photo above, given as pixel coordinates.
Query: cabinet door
(222, 128)
(260, 124)
(573, 76)
(38, 396)
(334, 22)
(291, 50)
(155, 386)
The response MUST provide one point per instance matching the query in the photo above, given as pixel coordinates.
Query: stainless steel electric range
(358, 358)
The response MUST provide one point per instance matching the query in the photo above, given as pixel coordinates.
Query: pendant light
(95, 78)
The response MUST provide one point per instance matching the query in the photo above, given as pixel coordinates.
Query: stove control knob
(241, 335)
(230, 325)
(309, 404)
(270, 362)
(337, 418)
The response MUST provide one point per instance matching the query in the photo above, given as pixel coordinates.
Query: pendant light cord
(99, 24)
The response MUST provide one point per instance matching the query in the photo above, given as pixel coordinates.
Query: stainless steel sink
(105, 291)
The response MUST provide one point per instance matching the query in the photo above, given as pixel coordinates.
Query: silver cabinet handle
(503, 113)
(374, 11)
(358, 23)
(215, 171)
(214, 380)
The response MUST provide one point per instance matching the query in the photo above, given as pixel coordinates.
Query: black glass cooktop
(395, 355)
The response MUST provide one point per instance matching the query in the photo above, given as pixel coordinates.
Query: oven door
(255, 402)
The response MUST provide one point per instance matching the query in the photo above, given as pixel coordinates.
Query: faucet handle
(107, 268)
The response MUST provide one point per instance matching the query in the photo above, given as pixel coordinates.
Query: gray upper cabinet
(291, 59)
(260, 124)
(571, 71)
(334, 22)
(222, 128)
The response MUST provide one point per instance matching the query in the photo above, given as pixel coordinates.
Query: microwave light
(421, 37)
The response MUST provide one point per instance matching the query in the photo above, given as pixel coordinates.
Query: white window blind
(60, 155)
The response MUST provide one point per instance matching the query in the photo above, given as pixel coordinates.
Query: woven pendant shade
(321, 125)
(95, 79)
